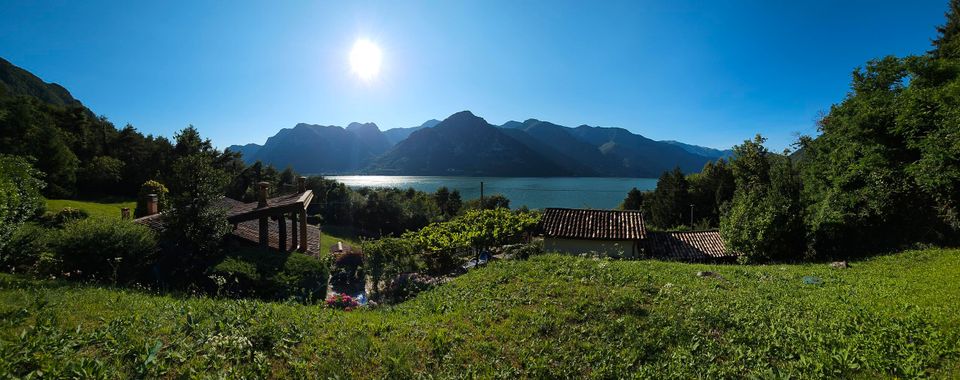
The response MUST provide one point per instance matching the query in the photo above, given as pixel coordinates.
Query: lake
(534, 192)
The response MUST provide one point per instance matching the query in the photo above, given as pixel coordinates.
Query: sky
(710, 73)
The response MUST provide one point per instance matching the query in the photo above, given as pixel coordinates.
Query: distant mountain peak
(430, 123)
(355, 127)
(462, 115)
(464, 119)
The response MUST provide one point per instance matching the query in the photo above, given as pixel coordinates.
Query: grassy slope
(551, 316)
(106, 209)
(331, 235)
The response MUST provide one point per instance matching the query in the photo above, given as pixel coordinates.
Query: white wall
(612, 248)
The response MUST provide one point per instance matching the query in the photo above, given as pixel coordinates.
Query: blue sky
(710, 73)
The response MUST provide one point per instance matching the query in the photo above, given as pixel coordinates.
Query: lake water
(534, 192)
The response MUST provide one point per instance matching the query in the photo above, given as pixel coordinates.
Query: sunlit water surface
(534, 192)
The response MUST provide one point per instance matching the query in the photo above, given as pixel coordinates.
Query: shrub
(61, 218)
(302, 277)
(348, 268)
(266, 274)
(407, 285)
(102, 249)
(20, 197)
(152, 187)
(26, 248)
(236, 277)
(524, 251)
(388, 257)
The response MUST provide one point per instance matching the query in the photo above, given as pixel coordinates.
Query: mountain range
(17, 81)
(465, 144)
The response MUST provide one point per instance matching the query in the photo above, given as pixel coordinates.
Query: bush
(303, 278)
(236, 277)
(348, 269)
(27, 246)
(271, 275)
(20, 197)
(64, 216)
(407, 285)
(388, 257)
(524, 251)
(152, 187)
(106, 249)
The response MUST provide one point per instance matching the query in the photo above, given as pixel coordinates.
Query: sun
(365, 58)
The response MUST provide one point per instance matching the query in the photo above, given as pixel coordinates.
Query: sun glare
(365, 59)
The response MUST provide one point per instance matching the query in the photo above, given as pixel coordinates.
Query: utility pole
(481, 196)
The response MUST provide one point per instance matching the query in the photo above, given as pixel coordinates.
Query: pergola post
(262, 202)
(303, 228)
(295, 230)
(282, 227)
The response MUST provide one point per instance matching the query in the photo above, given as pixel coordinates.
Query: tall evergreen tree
(670, 201)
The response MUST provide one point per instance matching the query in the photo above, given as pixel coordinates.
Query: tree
(710, 190)
(101, 175)
(20, 197)
(189, 142)
(670, 202)
(454, 203)
(885, 170)
(749, 164)
(491, 202)
(196, 222)
(947, 43)
(288, 177)
(765, 218)
(633, 201)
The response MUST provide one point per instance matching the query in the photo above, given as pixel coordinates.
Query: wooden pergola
(291, 207)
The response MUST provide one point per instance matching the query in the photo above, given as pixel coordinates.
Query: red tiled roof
(687, 246)
(592, 224)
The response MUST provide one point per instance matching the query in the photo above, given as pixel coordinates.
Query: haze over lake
(534, 192)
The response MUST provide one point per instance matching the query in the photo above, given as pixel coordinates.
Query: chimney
(262, 194)
(125, 213)
(301, 184)
(151, 204)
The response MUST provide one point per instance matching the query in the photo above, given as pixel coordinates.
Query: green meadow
(103, 208)
(550, 316)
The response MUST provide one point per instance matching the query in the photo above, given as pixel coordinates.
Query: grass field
(109, 209)
(551, 316)
(330, 235)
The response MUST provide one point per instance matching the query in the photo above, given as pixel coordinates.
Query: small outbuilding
(623, 234)
(611, 233)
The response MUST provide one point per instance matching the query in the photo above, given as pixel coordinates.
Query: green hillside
(551, 316)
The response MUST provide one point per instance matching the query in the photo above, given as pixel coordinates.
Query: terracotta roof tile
(592, 224)
(687, 246)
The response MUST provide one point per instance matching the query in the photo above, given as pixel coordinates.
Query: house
(623, 234)
(278, 223)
